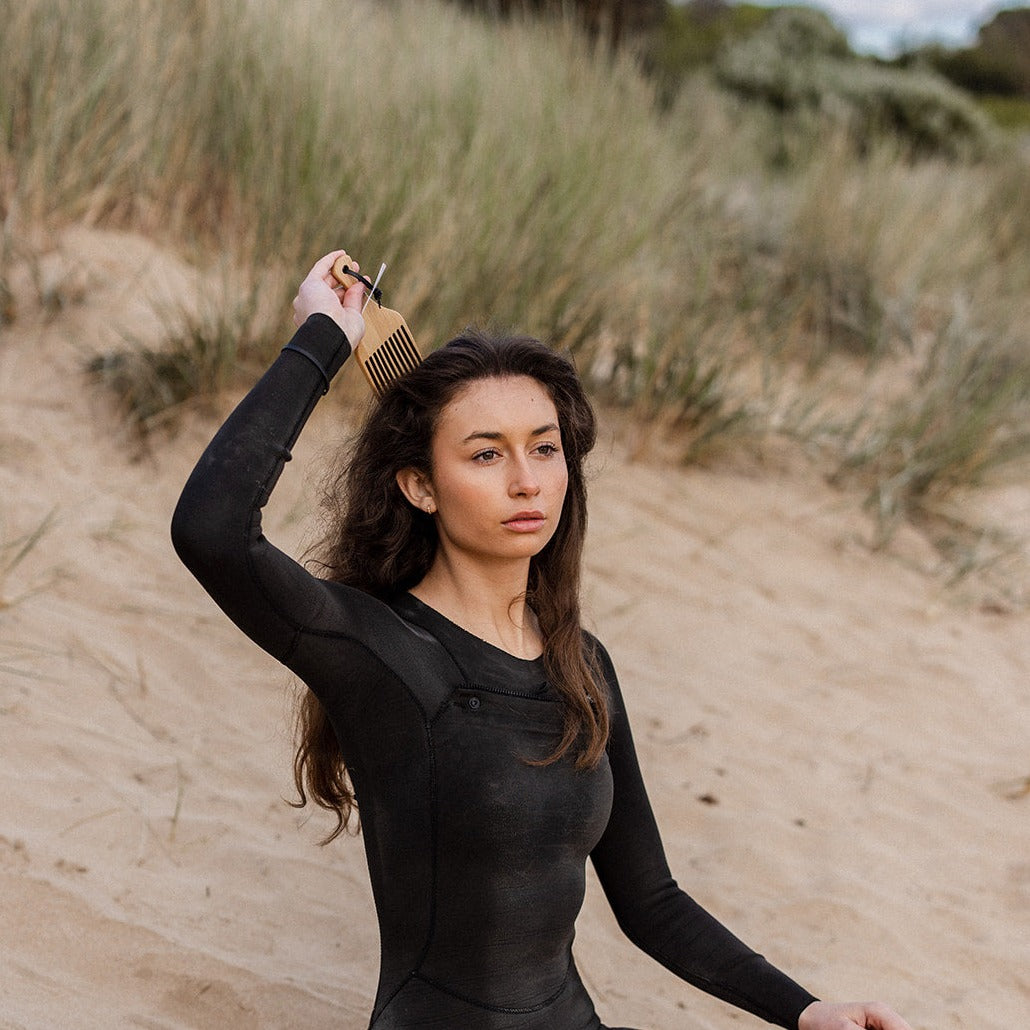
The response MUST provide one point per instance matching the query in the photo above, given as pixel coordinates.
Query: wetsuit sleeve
(657, 916)
(216, 528)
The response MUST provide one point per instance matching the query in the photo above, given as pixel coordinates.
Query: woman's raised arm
(216, 528)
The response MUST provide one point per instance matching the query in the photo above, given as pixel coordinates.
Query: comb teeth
(396, 355)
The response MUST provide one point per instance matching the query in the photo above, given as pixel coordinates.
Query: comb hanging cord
(376, 292)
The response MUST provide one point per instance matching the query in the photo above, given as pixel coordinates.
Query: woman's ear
(416, 487)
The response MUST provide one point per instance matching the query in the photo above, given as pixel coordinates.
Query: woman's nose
(523, 482)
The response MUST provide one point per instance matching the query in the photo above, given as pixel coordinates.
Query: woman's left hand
(822, 1015)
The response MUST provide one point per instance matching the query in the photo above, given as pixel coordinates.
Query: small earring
(429, 508)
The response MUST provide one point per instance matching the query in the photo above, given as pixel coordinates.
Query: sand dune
(837, 748)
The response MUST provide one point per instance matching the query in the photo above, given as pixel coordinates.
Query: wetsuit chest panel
(512, 843)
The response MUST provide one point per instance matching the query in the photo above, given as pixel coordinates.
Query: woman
(450, 683)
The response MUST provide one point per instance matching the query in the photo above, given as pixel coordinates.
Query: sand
(837, 746)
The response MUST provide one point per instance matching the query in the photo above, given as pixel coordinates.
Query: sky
(886, 26)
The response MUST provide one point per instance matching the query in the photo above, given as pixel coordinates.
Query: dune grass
(16, 548)
(695, 255)
(965, 416)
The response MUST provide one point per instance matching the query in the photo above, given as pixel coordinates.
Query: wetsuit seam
(427, 725)
(294, 644)
(444, 705)
(500, 692)
(263, 490)
(376, 1016)
(434, 838)
(467, 683)
(707, 984)
(506, 1009)
(301, 630)
(255, 576)
(433, 871)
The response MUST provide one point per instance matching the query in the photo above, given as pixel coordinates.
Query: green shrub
(997, 65)
(799, 64)
(1005, 40)
(691, 36)
(975, 70)
(1010, 113)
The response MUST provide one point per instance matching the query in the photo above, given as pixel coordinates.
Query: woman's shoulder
(600, 660)
(596, 652)
(379, 628)
(365, 615)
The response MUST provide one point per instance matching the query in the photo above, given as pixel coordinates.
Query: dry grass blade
(14, 552)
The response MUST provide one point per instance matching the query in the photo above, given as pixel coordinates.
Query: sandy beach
(837, 746)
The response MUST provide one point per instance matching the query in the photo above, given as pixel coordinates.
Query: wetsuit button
(474, 703)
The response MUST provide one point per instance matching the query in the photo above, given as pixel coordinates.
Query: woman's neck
(487, 601)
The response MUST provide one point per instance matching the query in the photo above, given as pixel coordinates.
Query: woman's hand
(821, 1015)
(320, 292)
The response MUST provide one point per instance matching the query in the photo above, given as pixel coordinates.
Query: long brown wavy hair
(378, 542)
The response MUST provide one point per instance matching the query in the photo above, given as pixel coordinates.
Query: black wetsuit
(477, 858)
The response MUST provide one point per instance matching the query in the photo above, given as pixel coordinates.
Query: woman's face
(499, 474)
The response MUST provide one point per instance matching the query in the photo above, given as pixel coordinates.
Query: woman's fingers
(821, 1015)
(353, 298)
(323, 267)
(320, 292)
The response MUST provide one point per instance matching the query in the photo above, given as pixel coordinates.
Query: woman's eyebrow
(484, 434)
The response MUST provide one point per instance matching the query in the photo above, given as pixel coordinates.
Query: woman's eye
(547, 449)
(488, 455)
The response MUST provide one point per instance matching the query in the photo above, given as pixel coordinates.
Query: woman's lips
(525, 521)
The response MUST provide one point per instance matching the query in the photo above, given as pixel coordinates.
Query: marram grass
(509, 175)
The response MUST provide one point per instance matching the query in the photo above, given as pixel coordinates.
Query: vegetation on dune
(796, 61)
(799, 62)
(995, 68)
(842, 259)
(612, 20)
(998, 63)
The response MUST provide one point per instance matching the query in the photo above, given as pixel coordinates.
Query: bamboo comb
(387, 350)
